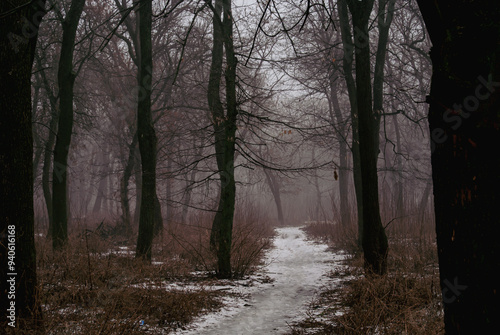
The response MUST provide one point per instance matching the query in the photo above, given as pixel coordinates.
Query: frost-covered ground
(295, 271)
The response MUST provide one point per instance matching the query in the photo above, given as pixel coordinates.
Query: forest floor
(291, 280)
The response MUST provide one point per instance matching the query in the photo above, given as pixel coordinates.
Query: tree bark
(275, 190)
(347, 65)
(374, 240)
(464, 122)
(146, 134)
(49, 145)
(47, 165)
(65, 80)
(225, 132)
(19, 21)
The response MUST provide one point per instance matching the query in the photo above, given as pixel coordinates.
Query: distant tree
(66, 77)
(19, 22)
(464, 121)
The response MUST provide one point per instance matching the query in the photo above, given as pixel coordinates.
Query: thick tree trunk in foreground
(225, 132)
(65, 80)
(146, 135)
(19, 23)
(464, 120)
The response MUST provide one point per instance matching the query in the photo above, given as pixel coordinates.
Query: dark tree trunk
(225, 132)
(19, 21)
(146, 134)
(347, 65)
(47, 165)
(374, 240)
(49, 145)
(399, 194)
(65, 80)
(464, 119)
(138, 187)
(158, 224)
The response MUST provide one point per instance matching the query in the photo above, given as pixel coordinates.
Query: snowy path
(298, 268)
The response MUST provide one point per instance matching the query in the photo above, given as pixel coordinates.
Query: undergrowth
(95, 285)
(405, 301)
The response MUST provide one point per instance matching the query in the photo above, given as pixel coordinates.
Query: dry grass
(406, 301)
(96, 286)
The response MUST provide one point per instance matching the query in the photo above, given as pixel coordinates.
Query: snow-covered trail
(298, 268)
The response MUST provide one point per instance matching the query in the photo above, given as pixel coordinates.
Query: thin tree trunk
(343, 176)
(275, 190)
(47, 166)
(138, 187)
(66, 80)
(347, 64)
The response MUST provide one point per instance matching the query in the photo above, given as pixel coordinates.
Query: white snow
(298, 269)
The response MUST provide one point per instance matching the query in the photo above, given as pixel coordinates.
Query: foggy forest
(249, 167)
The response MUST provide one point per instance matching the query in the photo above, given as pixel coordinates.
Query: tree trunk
(66, 80)
(146, 134)
(341, 134)
(49, 145)
(138, 187)
(47, 165)
(347, 65)
(275, 190)
(464, 123)
(374, 240)
(18, 35)
(225, 132)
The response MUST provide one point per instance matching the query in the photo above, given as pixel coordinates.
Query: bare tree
(224, 124)
(66, 80)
